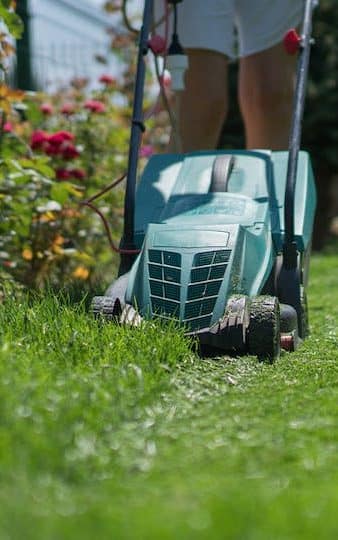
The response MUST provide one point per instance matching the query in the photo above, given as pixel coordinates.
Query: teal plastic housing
(198, 247)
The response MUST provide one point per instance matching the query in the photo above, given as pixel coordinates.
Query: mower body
(201, 247)
(206, 251)
(224, 237)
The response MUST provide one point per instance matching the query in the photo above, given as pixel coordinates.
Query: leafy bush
(56, 154)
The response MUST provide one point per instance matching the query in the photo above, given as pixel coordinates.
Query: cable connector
(177, 61)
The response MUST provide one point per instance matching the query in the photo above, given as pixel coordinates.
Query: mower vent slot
(211, 257)
(165, 282)
(167, 258)
(198, 323)
(161, 306)
(202, 290)
(155, 272)
(206, 278)
(198, 308)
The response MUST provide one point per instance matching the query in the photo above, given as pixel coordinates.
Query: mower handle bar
(289, 248)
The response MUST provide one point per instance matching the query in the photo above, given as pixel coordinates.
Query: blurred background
(65, 138)
(63, 39)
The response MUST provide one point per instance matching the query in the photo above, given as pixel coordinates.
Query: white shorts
(234, 28)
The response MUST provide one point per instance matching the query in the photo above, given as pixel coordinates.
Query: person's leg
(202, 106)
(266, 89)
(206, 31)
(267, 73)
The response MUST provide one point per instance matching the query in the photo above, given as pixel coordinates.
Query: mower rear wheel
(263, 334)
(304, 330)
(111, 305)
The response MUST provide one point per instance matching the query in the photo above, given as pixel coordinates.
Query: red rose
(52, 149)
(56, 139)
(80, 174)
(46, 108)
(107, 79)
(39, 139)
(70, 151)
(94, 106)
(62, 174)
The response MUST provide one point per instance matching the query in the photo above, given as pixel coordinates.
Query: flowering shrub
(56, 151)
(55, 154)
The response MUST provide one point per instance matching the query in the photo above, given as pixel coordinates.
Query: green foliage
(56, 151)
(11, 19)
(320, 126)
(12, 27)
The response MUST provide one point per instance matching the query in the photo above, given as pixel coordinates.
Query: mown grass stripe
(115, 432)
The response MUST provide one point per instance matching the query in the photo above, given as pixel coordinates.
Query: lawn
(111, 432)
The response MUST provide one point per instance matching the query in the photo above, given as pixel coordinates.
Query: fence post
(24, 76)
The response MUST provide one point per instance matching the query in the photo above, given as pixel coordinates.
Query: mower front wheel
(263, 333)
(107, 307)
(111, 305)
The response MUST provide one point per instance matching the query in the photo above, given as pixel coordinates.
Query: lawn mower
(223, 237)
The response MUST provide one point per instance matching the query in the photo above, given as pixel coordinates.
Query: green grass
(110, 432)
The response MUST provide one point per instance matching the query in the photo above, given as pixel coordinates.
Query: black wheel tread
(264, 328)
(106, 306)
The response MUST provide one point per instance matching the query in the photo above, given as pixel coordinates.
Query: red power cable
(88, 202)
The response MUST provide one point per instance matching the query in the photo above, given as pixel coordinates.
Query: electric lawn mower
(223, 237)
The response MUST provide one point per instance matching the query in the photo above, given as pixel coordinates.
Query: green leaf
(12, 21)
(60, 192)
(39, 165)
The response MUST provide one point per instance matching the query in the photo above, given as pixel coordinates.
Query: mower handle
(289, 247)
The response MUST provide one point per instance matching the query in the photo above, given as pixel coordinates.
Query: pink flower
(80, 174)
(69, 151)
(46, 108)
(146, 151)
(94, 106)
(67, 109)
(62, 174)
(8, 127)
(107, 79)
(39, 139)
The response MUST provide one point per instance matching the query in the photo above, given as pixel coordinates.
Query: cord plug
(177, 60)
(177, 65)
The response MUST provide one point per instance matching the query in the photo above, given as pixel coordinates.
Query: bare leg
(266, 88)
(202, 107)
